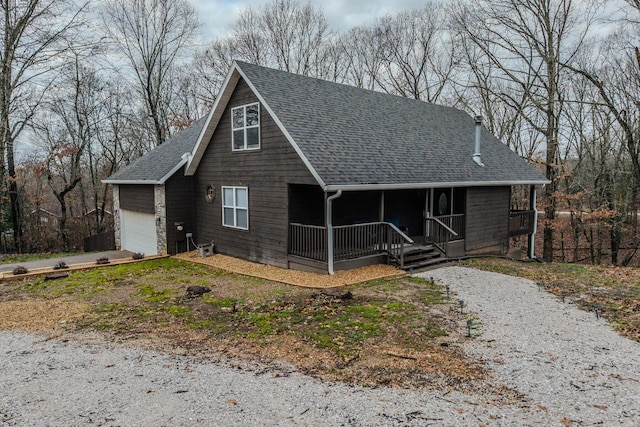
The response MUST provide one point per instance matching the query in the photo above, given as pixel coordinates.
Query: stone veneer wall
(160, 209)
(116, 216)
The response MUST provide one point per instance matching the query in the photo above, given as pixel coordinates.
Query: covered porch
(409, 228)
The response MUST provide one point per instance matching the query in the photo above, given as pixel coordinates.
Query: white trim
(176, 168)
(286, 133)
(131, 181)
(235, 207)
(408, 186)
(214, 118)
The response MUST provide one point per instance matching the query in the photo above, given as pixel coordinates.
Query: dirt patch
(38, 315)
(294, 277)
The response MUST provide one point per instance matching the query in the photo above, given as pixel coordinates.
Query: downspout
(330, 199)
(476, 155)
(532, 236)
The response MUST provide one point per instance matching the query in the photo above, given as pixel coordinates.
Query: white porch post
(330, 200)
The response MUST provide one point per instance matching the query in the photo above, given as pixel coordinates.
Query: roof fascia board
(408, 186)
(162, 180)
(182, 162)
(286, 133)
(214, 118)
(131, 181)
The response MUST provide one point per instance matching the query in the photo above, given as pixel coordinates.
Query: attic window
(245, 123)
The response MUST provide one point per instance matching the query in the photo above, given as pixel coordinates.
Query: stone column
(161, 218)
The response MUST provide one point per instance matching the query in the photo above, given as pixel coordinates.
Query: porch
(378, 242)
(407, 228)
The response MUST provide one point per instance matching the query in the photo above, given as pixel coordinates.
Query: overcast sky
(218, 16)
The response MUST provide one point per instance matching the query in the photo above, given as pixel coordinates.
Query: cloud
(218, 16)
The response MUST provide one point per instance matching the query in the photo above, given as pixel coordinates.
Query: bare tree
(417, 53)
(152, 34)
(32, 32)
(530, 42)
(363, 49)
(294, 35)
(68, 132)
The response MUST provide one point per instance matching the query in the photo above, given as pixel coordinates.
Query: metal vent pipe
(476, 155)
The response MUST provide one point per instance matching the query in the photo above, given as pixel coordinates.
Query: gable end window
(245, 127)
(235, 207)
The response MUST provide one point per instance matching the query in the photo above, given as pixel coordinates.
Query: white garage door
(138, 232)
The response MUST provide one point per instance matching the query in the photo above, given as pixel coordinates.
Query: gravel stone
(569, 367)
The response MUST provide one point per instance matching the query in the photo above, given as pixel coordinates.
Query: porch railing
(350, 241)
(438, 233)
(308, 241)
(455, 222)
(521, 222)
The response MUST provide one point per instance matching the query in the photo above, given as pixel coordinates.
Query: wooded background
(86, 88)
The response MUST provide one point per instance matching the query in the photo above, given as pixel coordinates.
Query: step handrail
(445, 226)
(449, 232)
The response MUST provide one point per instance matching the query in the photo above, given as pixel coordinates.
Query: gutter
(330, 200)
(409, 186)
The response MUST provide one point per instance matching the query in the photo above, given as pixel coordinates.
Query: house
(308, 174)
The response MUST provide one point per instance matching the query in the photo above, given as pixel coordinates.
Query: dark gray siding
(267, 174)
(180, 210)
(139, 198)
(487, 229)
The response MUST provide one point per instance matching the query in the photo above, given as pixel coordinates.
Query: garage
(138, 232)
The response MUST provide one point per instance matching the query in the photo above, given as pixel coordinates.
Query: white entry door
(138, 232)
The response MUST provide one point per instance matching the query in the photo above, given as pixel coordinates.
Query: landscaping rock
(196, 291)
(56, 276)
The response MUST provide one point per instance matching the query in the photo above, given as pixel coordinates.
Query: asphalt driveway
(69, 260)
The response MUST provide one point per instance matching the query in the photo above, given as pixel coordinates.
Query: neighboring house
(308, 174)
(153, 201)
(44, 217)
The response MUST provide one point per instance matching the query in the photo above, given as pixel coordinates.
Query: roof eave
(214, 117)
(131, 181)
(284, 131)
(407, 186)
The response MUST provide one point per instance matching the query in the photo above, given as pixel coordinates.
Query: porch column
(330, 200)
(381, 218)
(532, 207)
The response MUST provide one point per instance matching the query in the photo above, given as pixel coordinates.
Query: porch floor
(294, 277)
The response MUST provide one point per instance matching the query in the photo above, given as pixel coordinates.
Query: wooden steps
(420, 256)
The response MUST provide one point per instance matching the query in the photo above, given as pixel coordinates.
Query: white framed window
(245, 127)
(235, 207)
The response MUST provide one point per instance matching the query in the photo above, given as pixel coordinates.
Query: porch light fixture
(210, 194)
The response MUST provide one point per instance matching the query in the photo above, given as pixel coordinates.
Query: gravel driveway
(570, 368)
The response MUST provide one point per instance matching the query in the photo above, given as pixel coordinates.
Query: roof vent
(476, 156)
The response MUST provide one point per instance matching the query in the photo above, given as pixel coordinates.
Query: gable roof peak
(349, 137)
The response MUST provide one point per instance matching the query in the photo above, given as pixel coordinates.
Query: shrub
(137, 255)
(60, 265)
(20, 270)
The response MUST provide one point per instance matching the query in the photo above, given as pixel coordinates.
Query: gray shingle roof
(160, 163)
(354, 137)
